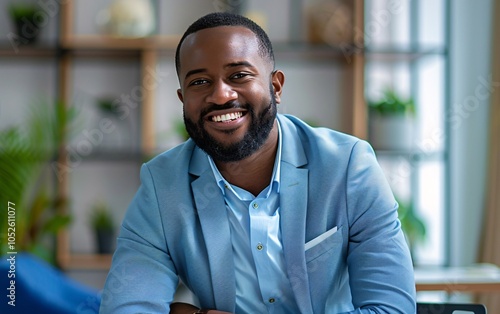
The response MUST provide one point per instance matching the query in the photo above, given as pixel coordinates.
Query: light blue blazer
(343, 245)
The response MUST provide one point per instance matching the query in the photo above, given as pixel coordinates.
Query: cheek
(190, 112)
(257, 94)
(192, 107)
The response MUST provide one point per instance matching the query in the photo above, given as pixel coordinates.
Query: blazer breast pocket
(326, 269)
(328, 242)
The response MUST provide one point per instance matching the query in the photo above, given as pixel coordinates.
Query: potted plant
(391, 122)
(102, 224)
(26, 150)
(107, 106)
(23, 18)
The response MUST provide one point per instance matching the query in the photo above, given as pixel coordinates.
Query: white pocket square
(320, 238)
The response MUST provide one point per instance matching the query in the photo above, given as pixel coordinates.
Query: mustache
(232, 104)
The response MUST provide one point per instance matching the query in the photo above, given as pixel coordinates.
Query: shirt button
(255, 205)
(271, 300)
(260, 246)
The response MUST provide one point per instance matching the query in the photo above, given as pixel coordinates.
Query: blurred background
(88, 93)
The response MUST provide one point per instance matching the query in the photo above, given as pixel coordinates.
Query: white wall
(470, 61)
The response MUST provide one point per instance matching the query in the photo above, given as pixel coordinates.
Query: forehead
(219, 45)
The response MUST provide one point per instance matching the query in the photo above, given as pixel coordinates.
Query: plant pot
(105, 241)
(391, 132)
(26, 31)
(24, 22)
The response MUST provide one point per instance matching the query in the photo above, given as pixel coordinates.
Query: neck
(254, 172)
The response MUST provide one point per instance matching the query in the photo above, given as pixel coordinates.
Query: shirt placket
(260, 224)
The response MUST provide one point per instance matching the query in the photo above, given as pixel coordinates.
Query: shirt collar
(275, 178)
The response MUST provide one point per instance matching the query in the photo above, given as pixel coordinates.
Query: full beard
(257, 134)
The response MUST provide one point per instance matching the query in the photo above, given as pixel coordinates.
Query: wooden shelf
(104, 42)
(402, 54)
(85, 261)
(102, 45)
(291, 50)
(28, 51)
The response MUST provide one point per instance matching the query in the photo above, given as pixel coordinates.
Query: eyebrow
(237, 64)
(229, 65)
(195, 71)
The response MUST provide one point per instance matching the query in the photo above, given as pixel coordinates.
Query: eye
(198, 82)
(239, 75)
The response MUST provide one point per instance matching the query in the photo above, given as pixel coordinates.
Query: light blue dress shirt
(262, 285)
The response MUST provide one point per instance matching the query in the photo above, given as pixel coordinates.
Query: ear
(179, 94)
(277, 80)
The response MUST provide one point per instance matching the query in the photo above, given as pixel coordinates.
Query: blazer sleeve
(142, 278)
(379, 263)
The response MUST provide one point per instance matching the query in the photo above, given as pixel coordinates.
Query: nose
(221, 93)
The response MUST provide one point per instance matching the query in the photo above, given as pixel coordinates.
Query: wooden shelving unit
(72, 46)
(147, 50)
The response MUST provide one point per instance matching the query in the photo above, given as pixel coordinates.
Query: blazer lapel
(293, 203)
(215, 228)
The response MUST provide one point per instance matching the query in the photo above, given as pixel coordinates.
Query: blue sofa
(39, 287)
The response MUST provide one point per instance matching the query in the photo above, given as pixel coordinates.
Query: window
(406, 52)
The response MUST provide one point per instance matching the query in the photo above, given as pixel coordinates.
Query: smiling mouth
(228, 117)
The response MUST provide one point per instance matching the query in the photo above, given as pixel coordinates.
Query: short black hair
(228, 19)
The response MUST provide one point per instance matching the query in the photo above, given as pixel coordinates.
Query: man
(257, 212)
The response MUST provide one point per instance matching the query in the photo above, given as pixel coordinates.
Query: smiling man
(257, 212)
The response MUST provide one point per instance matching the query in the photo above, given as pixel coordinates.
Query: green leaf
(101, 217)
(413, 226)
(392, 104)
(56, 223)
(25, 150)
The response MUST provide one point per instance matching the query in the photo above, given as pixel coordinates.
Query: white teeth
(227, 117)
